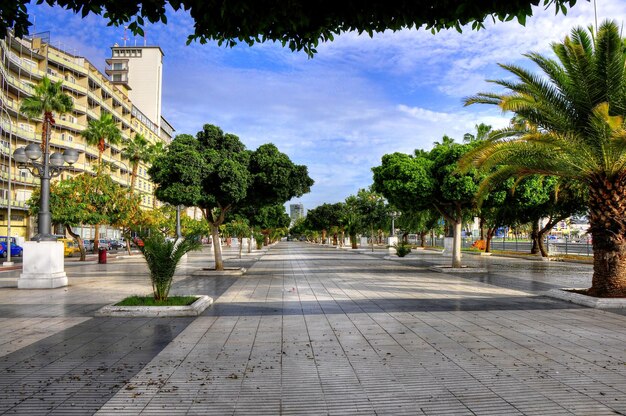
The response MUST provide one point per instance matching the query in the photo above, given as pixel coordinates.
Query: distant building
(296, 211)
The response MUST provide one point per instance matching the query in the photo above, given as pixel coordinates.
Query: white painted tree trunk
(217, 247)
(456, 248)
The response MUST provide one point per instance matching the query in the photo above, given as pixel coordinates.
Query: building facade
(296, 211)
(23, 63)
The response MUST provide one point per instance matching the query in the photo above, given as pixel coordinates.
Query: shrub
(402, 249)
(162, 257)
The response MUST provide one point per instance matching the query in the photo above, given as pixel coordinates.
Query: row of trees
(364, 213)
(213, 171)
(563, 153)
(216, 173)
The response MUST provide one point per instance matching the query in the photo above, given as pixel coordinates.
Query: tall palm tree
(574, 129)
(48, 98)
(100, 132)
(137, 150)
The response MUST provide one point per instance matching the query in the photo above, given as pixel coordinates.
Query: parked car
(115, 244)
(16, 251)
(69, 246)
(103, 242)
(88, 245)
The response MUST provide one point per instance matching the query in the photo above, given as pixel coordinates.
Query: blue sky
(339, 112)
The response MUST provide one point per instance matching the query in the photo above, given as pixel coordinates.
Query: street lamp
(48, 167)
(394, 215)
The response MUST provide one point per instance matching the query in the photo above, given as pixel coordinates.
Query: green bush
(402, 249)
(162, 257)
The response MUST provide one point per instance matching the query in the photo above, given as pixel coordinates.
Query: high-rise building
(23, 63)
(140, 70)
(296, 211)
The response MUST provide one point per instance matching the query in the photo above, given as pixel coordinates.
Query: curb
(584, 300)
(194, 309)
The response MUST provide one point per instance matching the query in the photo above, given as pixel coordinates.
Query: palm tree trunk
(133, 177)
(607, 224)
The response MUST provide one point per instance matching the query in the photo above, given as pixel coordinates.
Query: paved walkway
(313, 330)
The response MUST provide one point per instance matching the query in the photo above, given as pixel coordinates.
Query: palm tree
(47, 99)
(100, 132)
(574, 129)
(137, 150)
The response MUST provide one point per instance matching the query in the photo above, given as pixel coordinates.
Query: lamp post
(48, 167)
(179, 233)
(394, 215)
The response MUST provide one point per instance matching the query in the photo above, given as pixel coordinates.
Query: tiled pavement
(312, 330)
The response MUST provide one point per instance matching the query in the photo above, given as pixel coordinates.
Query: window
(52, 72)
(67, 117)
(26, 127)
(117, 77)
(118, 66)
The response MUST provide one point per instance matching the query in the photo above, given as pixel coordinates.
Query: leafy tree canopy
(300, 26)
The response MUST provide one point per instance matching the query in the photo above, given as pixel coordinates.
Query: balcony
(14, 204)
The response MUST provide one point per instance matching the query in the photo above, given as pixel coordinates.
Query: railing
(54, 56)
(14, 203)
(562, 246)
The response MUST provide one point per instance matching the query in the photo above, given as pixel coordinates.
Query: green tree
(87, 200)
(239, 228)
(100, 132)
(574, 128)
(299, 26)
(137, 150)
(48, 99)
(428, 180)
(323, 217)
(215, 172)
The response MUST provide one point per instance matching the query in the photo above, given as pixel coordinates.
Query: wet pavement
(315, 330)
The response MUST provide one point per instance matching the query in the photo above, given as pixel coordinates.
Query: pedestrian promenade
(315, 330)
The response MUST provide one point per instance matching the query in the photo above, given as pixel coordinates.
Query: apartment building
(23, 63)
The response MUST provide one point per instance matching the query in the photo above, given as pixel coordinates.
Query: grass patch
(149, 301)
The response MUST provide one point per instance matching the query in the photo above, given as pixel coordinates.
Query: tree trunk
(343, 236)
(490, 232)
(240, 237)
(96, 239)
(217, 248)
(128, 245)
(423, 238)
(607, 225)
(81, 244)
(456, 245)
(540, 243)
(323, 237)
(353, 241)
(250, 243)
(482, 229)
(534, 235)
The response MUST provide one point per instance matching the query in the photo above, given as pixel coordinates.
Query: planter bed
(194, 309)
